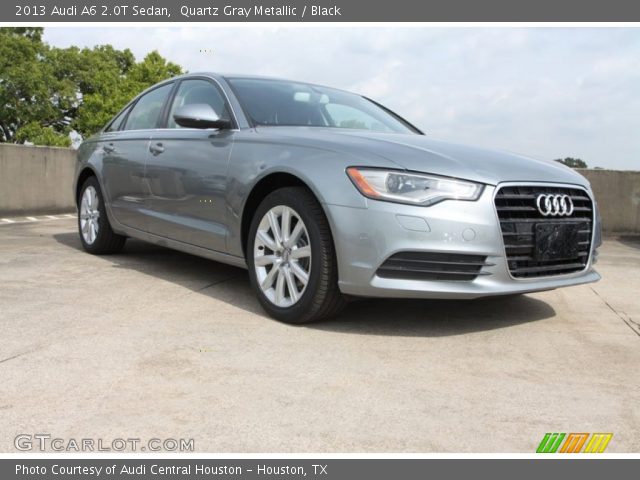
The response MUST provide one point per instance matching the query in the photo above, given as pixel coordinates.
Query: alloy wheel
(89, 215)
(282, 256)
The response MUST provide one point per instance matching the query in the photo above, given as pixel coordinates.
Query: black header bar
(38, 11)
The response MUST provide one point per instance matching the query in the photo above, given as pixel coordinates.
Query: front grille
(433, 266)
(518, 214)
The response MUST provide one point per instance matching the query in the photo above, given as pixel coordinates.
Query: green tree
(120, 80)
(353, 124)
(35, 133)
(27, 92)
(572, 162)
(45, 92)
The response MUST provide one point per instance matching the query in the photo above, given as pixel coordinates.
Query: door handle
(156, 148)
(109, 148)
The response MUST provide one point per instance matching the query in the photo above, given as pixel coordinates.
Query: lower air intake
(433, 266)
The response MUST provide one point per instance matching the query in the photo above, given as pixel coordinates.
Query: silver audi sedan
(325, 195)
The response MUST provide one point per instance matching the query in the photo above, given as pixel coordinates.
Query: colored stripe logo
(574, 442)
(598, 442)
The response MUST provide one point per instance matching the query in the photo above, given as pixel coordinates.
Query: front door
(186, 173)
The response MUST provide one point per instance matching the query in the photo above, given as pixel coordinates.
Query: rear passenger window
(146, 112)
(115, 124)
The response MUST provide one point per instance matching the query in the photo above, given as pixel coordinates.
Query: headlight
(411, 188)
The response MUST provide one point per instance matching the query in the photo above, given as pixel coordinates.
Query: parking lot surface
(152, 343)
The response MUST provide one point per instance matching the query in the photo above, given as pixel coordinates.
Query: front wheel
(291, 258)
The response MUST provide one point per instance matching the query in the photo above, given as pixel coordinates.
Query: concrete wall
(36, 179)
(39, 180)
(618, 197)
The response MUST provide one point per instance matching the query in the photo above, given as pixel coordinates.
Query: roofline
(226, 76)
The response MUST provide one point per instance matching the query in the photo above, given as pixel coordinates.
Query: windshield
(279, 102)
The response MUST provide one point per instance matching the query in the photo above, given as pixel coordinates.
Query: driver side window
(198, 91)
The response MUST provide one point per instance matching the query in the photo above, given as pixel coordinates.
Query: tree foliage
(572, 162)
(45, 92)
(35, 133)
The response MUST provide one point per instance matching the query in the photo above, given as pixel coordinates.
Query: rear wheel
(96, 234)
(291, 258)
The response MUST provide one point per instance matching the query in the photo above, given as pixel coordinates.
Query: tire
(104, 240)
(320, 297)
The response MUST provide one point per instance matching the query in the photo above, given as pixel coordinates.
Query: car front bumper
(366, 237)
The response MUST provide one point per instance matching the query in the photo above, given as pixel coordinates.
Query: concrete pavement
(153, 343)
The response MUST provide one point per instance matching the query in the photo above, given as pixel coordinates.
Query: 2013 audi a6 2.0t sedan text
(324, 195)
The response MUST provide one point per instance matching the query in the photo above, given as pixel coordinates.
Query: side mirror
(199, 115)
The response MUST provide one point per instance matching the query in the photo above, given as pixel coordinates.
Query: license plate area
(556, 241)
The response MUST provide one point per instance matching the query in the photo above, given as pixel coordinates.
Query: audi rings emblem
(551, 205)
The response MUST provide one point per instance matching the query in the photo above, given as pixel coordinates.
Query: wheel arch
(84, 174)
(263, 187)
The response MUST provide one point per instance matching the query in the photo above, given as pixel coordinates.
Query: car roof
(227, 76)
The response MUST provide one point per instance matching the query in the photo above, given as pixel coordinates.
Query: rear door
(186, 172)
(125, 154)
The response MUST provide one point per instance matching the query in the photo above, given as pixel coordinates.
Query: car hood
(423, 154)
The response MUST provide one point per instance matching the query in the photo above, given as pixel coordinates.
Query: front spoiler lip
(419, 289)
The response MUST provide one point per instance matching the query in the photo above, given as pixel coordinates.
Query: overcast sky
(544, 92)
